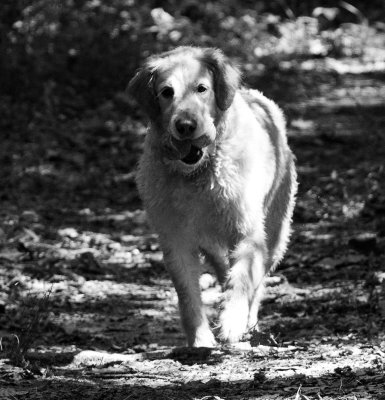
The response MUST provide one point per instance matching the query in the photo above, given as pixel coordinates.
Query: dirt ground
(87, 310)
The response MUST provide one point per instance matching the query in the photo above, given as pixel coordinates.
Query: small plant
(34, 311)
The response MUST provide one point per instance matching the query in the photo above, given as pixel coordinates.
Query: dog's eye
(167, 92)
(201, 88)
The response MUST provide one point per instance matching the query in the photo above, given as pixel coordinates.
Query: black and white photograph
(192, 200)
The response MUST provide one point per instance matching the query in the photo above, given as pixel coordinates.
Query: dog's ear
(141, 88)
(227, 78)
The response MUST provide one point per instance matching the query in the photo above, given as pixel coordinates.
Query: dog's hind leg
(184, 267)
(218, 259)
(243, 290)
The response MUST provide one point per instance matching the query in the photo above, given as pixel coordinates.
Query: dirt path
(83, 287)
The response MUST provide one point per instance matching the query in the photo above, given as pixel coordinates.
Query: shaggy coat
(217, 179)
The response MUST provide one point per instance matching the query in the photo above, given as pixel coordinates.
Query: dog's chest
(218, 206)
(213, 211)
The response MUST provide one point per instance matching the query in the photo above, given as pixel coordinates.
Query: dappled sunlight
(87, 308)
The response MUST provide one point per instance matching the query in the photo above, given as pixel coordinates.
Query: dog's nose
(185, 127)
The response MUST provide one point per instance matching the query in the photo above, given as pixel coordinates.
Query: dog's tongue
(194, 155)
(201, 142)
(186, 149)
(178, 149)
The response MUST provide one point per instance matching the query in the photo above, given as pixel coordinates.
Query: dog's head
(184, 93)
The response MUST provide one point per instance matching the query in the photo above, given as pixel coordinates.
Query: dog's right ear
(141, 89)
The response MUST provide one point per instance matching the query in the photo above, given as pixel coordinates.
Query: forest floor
(87, 310)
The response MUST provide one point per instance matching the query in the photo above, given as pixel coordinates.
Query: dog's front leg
(184, 267)
(242, 290)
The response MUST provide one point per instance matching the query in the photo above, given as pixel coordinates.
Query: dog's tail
(279, 212)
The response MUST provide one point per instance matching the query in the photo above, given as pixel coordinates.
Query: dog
(218, 181)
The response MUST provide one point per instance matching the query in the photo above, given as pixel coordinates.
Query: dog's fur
(233, 203)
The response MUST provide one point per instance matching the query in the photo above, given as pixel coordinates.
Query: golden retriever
(217, 179)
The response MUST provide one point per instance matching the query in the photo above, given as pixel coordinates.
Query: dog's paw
(204, 338)
(233, 320)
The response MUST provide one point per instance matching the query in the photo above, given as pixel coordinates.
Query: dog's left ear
(141, 88)
(227, 78)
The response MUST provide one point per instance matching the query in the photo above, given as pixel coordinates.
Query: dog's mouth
(193, 156)
(189, 152)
